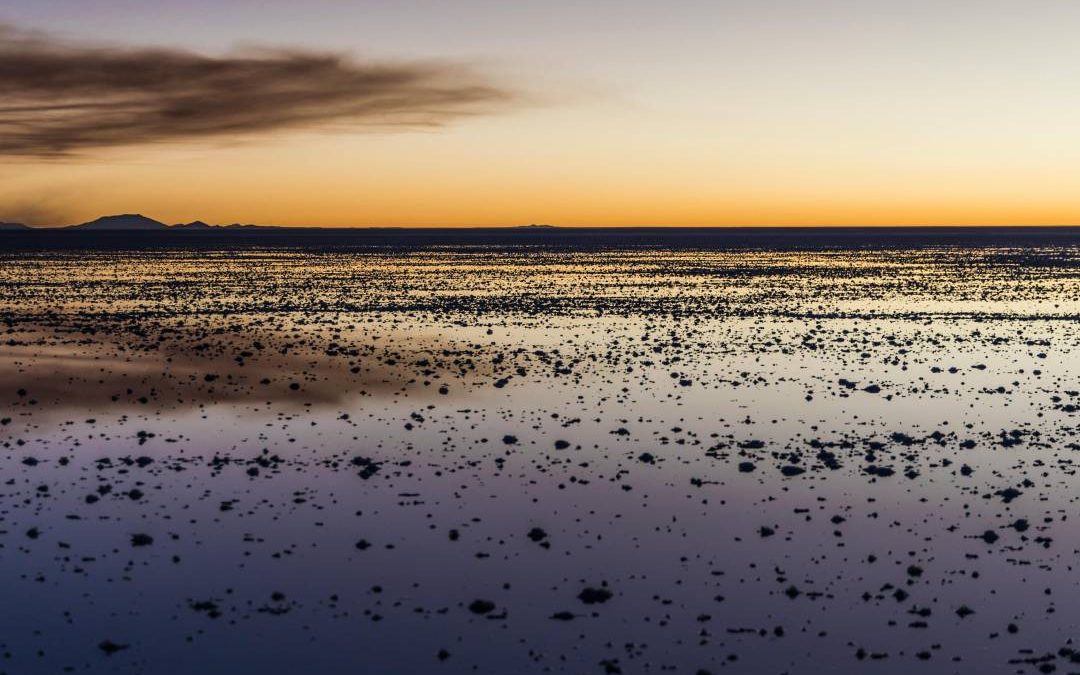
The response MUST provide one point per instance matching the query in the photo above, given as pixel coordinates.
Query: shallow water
(637, 461)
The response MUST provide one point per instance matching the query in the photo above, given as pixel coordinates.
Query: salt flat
(516, 458)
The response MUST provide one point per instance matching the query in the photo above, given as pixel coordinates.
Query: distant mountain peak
(193, 225)
(13, 226)
(125, 221)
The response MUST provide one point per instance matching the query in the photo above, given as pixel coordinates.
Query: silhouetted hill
(126, 222)
(195, 225)
(13, 226)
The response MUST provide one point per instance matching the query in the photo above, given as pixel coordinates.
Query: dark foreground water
(517, 460)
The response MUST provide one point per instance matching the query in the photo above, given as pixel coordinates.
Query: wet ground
(526, 460)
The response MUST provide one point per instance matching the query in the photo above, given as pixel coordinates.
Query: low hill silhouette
(126, 222)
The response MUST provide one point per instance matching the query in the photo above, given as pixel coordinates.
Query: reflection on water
(527, 461)
(179, 369)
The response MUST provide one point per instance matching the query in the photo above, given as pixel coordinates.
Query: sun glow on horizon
(738, 114)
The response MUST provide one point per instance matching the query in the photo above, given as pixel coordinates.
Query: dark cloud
(58, 99)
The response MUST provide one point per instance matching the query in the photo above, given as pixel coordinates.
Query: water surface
(515, 459)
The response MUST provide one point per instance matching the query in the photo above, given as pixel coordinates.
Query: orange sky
(706, 114)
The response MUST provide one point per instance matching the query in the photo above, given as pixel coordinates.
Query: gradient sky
(688, 112)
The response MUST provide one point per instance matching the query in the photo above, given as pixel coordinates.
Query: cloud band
(59, 99)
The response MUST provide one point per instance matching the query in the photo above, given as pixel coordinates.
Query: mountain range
(136, 222)
(130, 222)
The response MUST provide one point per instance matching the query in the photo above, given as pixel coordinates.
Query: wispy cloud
(60, 99)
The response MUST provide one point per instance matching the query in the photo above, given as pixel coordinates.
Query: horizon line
(182, 227)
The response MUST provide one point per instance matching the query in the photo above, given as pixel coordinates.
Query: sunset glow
(619, 113)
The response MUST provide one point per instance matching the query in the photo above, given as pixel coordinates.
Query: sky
(484, 113)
